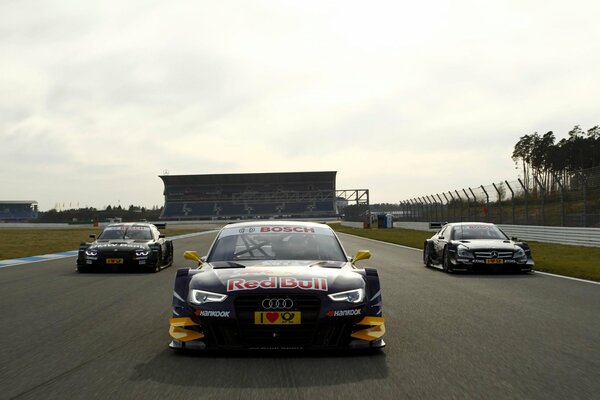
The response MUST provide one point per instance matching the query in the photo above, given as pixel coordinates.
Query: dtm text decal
(277, 283)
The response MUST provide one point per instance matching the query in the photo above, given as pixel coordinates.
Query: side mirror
(93, 237)
(361, 255)
(193, 255)
(514, 239)
(161, 236)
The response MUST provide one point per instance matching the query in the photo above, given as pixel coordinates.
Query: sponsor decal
(298, 229)
(344, 313)
(274, 282)
(277, 318)
(121, 245)
(211, 313)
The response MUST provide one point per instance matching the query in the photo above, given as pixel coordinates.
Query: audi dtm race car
(476, 245)
(124, 246)
(276, 285)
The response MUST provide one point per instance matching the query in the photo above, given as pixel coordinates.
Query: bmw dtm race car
(476, 245)
(126, 245)
(276, 285)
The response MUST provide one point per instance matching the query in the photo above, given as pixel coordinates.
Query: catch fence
(571, 199)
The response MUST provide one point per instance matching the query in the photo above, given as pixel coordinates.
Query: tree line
(90, 214)
(541, 158)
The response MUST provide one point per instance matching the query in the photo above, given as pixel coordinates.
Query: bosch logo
(277, 304)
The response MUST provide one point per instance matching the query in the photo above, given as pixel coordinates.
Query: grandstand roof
(269, 177)
(18, 202)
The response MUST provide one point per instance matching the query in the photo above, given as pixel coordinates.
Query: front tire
(427, 256)
(446, 263)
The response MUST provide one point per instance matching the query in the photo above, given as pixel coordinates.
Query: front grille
(488, 254)
(115, 254)
(301, 335)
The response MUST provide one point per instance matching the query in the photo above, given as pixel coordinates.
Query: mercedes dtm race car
(276, 285)
(476, 245)
(124, 246)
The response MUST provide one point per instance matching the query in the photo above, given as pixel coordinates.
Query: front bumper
(190, 333)
(491, 264)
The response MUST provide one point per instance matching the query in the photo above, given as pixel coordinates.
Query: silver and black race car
(476, 246)
(132, 245)
(276, 285)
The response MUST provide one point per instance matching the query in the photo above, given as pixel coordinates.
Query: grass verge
(574, 261)
(17, 242)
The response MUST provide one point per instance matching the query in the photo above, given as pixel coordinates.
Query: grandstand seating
(297, 194)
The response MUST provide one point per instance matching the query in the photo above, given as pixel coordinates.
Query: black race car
(476, 245)
(276, 285)
(133, 245)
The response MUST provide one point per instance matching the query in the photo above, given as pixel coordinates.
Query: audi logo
(277, 304)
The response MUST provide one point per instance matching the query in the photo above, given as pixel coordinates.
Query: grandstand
(250, 195)
(18, 211)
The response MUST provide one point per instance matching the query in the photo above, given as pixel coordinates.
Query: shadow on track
(263, 369)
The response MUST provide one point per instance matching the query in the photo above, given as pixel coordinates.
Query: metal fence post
(512, 201)
(441, 207)
(542, 192)
(526, 196)
(468, 205)
(461, 204)
(562, 204)
(487, 204)
(499, 202)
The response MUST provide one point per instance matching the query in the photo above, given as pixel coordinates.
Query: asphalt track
(66, 335)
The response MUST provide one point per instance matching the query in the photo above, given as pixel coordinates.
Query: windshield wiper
(229, 264)
(325, 264)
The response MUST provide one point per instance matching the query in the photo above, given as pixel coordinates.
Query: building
(16, 211)
(250, 195)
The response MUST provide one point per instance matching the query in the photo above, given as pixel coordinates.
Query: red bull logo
(277, 283)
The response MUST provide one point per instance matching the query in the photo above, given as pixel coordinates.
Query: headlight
(520, 253)
(201, 297)
(462, 251)
(142, 253)
(91, 253)
(351, 296)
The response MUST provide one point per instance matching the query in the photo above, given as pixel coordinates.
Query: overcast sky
(405, 98)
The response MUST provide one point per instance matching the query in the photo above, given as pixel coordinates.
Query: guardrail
(546, 234)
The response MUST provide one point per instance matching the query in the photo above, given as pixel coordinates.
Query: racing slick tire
(427, 256)
(81, 269)
(446, 264)
(153, 268)
(169, 257)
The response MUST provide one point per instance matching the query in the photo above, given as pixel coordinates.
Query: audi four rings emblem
(277, 304)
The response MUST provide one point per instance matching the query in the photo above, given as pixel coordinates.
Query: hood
(280, 276)
(119, 244)
(487, 244)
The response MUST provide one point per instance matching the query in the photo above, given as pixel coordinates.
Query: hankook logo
(277, 304)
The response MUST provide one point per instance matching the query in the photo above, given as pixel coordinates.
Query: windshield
(276, 243)
(125, 232)
(474, 232)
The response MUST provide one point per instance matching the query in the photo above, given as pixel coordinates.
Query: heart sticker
(272, 316)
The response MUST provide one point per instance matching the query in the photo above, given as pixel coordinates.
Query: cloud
(400, 97)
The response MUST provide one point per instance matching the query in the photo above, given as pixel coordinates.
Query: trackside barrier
(546, 234)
